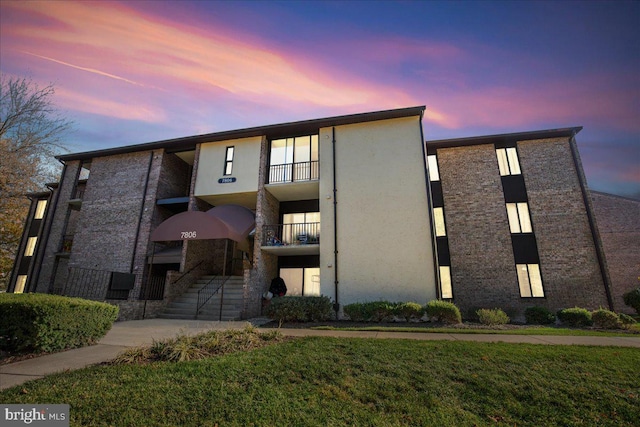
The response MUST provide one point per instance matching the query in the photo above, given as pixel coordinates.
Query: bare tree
(30, 135)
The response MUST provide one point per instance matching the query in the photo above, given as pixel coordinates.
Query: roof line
(505, 137)
(272, 131)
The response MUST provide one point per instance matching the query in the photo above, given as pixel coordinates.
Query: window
(294, 159)
(530, 280)
(519, 219)
(31, 246)
(508, 161)
(301, 228)
(301, 281)
(228, 161)
(445, 282)
(438, 217)
(434, 173)
(20, 283)
(40, 208)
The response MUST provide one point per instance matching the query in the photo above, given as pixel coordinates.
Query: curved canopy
(223, 222)
(239, 219)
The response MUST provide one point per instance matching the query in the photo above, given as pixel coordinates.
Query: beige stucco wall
(384, 239)
(246, 164)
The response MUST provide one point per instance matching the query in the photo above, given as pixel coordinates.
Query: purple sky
(134, 72)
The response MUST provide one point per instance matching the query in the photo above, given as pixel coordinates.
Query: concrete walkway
(143, 332)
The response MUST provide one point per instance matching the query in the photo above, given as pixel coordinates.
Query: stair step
(184, 307)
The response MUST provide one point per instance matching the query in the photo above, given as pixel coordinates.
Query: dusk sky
(135, 72)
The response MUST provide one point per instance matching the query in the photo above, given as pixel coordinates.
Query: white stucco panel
(384, 238)
(246, 166)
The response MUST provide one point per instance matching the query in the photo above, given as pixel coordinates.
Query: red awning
(223, 222)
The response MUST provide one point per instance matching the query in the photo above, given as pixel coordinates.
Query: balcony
(65, 247)
(294, 172)
(76, 199)
(292, 239)
(294, 181)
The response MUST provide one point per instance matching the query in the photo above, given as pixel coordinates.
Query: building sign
(226, 180)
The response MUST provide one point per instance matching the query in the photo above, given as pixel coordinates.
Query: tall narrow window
(20, 283)
(434, 173)
(31, 246)
(445, 282)
(40, 208)
(519, 219)
(530, 280)
(438, 217)
(508, 161)
(228, 161)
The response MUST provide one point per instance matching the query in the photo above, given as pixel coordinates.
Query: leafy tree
(30, 132)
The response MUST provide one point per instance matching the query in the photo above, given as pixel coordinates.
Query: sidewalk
(142, 332)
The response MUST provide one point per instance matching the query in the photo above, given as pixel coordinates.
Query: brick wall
(265, 266)
(619, 224)
(482, 263)
(108, 224)
(569, 266)
(49, 267)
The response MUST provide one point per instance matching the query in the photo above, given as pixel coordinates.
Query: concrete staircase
(184, 307)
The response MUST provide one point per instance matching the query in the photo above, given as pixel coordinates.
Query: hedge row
(378, 311)
(317, 309)
(300, 309)
(601, 318)
(44, 323)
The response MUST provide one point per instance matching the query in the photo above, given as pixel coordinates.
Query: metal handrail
(304, 233)
(207, 292)
(291, 172)
(187, 272)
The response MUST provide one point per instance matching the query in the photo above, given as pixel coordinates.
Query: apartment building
(356, 207)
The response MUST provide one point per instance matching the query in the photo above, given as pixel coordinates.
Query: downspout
(592, 221)
(144, 197)
(336, 304)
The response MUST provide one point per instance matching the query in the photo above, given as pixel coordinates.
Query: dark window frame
(228, 163)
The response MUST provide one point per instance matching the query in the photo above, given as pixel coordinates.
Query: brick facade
(112, 224)
(619, 225)
(569, 265)
(61, 209)
(482, 264)
(264, 266)
(482, 260)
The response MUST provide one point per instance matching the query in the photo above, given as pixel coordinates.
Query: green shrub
(373, 311)
(492, 317)
(575, 317)
(626, 320)
(443, 311)
(539, 316)
(408, 310)
(300, 309)
(605, 319)
(44, 323)
(632, 299)
(318, 309)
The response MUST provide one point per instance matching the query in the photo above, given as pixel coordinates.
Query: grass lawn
(358, 382)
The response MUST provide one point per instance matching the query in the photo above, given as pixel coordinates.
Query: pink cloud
(113, 40)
